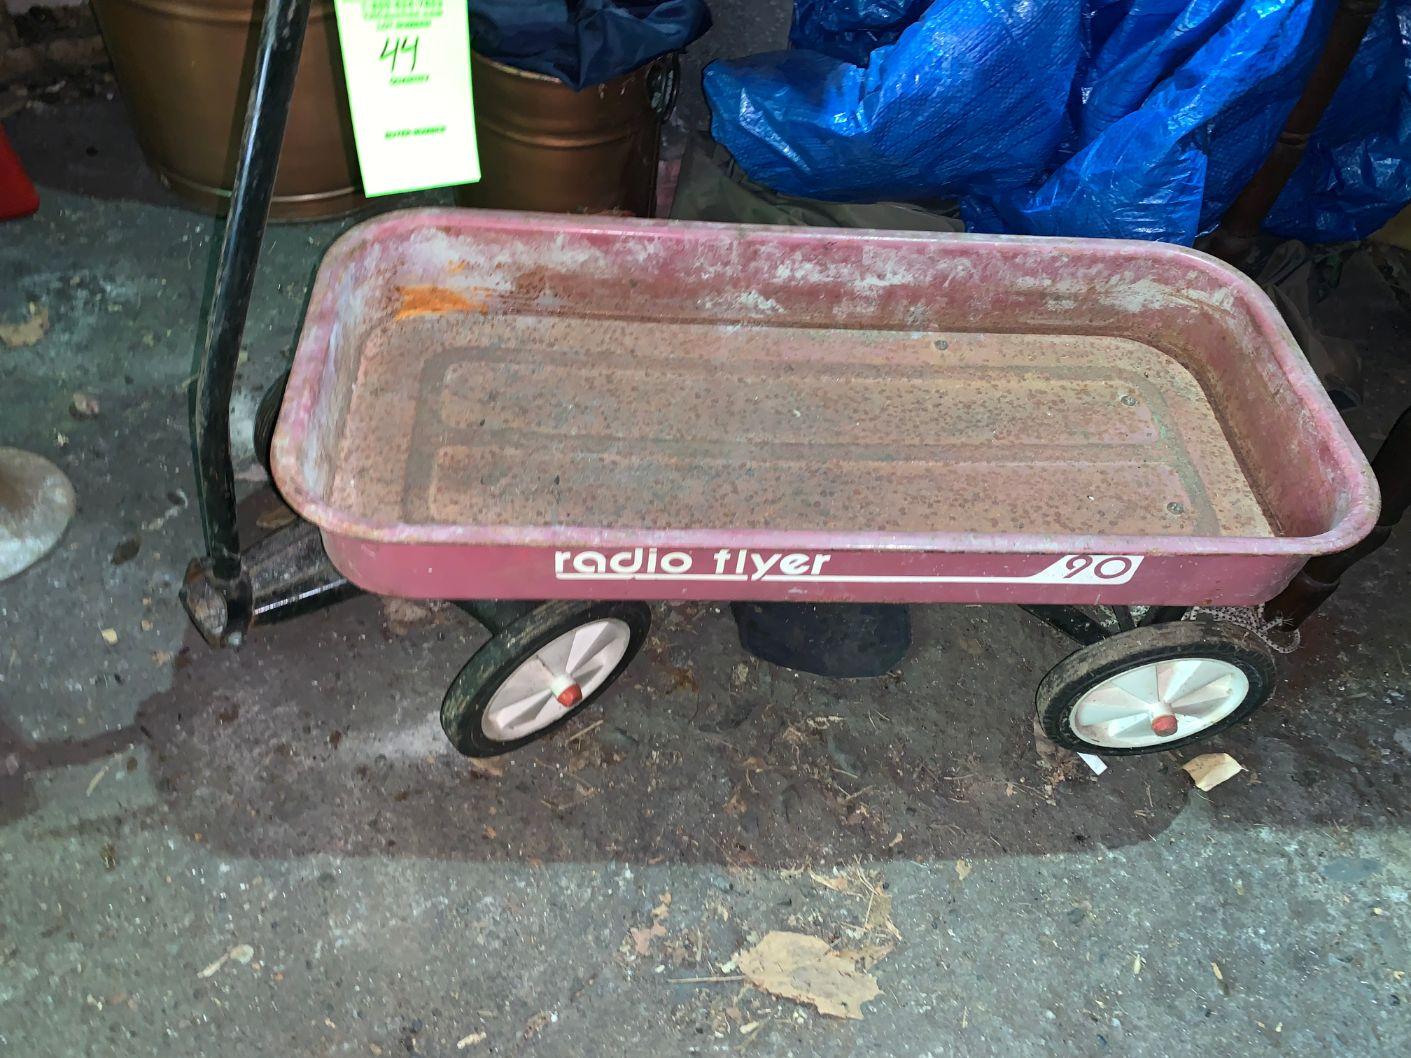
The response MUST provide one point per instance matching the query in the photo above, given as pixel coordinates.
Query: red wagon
(511, 407)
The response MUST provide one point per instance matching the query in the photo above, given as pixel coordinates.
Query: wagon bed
(492, 405)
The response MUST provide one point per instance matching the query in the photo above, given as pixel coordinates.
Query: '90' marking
(1103, 567)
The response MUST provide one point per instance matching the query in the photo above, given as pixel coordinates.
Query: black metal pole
(496, 616)
(266, 114)
(1069, 620)
(1235, 236)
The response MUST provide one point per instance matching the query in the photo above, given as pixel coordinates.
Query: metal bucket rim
(534, 75)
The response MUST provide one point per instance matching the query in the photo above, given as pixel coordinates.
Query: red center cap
(570, 696)
(1163, 726)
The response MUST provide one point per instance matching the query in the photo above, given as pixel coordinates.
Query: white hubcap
(554, 679)
(1163, 701)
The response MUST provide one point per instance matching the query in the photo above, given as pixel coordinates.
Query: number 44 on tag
(407, 65)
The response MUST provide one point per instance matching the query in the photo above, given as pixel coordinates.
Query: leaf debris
(805, 969)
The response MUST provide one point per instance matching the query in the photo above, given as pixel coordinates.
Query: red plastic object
(1164, 726)
(498, 405)
(18, 197)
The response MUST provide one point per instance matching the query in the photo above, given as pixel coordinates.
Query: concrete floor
(162, 804)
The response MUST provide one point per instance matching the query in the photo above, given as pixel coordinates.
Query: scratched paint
(424, 299)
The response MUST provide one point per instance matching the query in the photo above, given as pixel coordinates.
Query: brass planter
(544, 146)
(183, 68)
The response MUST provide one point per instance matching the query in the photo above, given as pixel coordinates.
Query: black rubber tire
(470, 692)
(1084, 669)
(266, 415)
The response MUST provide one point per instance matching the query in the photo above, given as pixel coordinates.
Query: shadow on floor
(320, 736)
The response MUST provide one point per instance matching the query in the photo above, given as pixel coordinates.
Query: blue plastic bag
(971, 95)
(583, 42)
(1356, 173)
(1175, 109)
(850, 29)
(1123, 118)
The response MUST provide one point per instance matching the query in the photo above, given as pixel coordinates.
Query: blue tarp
(1357, 170)
(972, 95)
(583, 42)
(851, 29)
(1121, 118)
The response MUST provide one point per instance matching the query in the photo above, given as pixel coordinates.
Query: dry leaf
(839, 883)
(803, 968)
(662, 909)
(276, 518)
(29, 331)
(484, 767)
(642, 937)
(962, 869)
(1215, 969)
(110, 635)
(879, 915)
(469, 1041)
(868, 955)
(1209, 770)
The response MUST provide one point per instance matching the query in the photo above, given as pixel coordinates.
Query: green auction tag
(407, 64)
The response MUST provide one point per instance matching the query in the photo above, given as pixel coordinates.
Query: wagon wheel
(538, 671)
(266, 415)
(1156, 688)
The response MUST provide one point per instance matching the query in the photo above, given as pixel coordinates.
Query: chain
(1273, 633)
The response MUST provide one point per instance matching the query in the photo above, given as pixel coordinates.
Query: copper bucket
(183, 68)
(544, 146)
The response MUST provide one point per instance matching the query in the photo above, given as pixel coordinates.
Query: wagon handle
(1235, 236)
(217, 585)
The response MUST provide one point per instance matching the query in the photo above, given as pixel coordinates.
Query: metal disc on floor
(36, 505)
